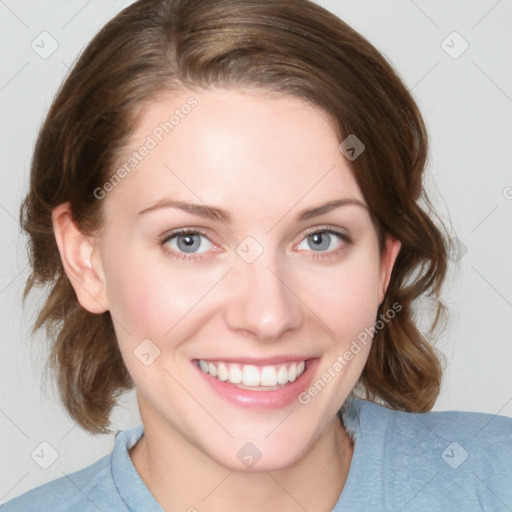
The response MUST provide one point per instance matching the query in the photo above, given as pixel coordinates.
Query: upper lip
(261, 361)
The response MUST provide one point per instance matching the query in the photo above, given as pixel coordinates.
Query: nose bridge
(261, 302)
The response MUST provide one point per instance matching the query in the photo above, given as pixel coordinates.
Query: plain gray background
(466, 98)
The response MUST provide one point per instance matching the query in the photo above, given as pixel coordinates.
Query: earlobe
(80, 260)
(391, 250)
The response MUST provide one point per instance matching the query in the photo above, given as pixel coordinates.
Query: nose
(262, 304)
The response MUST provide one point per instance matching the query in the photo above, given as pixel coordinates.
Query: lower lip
(272, 399)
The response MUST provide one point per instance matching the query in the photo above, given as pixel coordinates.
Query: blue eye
(188, 242)
(323, 240)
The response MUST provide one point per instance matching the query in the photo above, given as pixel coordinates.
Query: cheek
(145, 304)
(133, 300)
(153, 299)
(345, 297)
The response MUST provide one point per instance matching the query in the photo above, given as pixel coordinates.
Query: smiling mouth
(252, 377)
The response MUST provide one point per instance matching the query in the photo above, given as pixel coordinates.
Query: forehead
(234, 148)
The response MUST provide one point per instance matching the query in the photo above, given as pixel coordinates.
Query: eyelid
(183, 231)
(326, 227)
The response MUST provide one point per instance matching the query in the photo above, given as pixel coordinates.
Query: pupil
(189, 243)
(319, 241)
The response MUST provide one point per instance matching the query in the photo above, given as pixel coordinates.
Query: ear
(80, 257)
(388, 258)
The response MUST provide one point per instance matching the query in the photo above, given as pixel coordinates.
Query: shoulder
(97, 487)
(465, 426)
(438, 457)
(77, 491)
(487, 428)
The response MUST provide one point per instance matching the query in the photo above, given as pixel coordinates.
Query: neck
(181, 477)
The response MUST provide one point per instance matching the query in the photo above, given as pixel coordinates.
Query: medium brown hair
(290, 47)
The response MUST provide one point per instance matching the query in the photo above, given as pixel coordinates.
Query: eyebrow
(210, 212)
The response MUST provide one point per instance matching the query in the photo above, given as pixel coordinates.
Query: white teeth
(254, 376)
(250, 376)
(268, 376)
(212, 369)
(282, 375)
(235, 374)
(223, 373)
(292, 372)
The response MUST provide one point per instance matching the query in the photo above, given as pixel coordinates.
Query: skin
(263, 159)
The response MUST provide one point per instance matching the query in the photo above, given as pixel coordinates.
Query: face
(239, 262)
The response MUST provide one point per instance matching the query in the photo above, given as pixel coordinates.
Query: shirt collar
(129, 484)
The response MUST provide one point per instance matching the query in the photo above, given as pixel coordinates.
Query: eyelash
(167, 237)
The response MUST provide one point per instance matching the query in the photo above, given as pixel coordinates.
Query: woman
(225, 204)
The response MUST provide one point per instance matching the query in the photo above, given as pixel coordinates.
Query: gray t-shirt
(437, 461)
